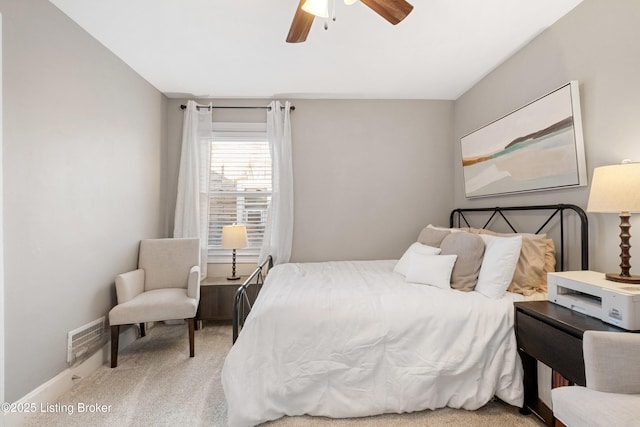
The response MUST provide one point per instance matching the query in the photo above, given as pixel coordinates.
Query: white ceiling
(237, 49)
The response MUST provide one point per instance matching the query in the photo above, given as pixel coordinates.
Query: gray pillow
(470, 250)
(432, 237)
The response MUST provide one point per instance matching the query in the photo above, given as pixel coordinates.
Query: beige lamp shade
(234, 237)
(615, 189)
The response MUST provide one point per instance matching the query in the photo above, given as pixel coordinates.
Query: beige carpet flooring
(157, 384)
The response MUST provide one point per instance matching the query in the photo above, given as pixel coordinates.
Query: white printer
(590, 293)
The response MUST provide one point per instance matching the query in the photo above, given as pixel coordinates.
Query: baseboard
(50, 391)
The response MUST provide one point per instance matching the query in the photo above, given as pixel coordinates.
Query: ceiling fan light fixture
(393, 11)
(317, 7)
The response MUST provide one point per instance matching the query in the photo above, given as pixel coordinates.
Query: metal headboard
(457, 218)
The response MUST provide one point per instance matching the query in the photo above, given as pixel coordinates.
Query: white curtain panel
(278, 235)
(192, 204)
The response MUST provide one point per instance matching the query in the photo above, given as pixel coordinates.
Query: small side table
(216, 298)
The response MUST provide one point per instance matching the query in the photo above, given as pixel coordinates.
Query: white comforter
(352, 338)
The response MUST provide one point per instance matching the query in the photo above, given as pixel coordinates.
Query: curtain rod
(182, 107)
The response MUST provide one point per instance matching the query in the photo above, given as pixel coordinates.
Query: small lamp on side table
(234, 237)
(616, 189)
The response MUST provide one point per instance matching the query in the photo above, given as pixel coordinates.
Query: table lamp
(234, 237)
(616, 189)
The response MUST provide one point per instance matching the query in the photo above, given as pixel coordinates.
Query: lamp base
(233, 268)
(634, 280)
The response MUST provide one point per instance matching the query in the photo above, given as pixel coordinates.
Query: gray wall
(84, 147)
(368, 174)
(596, 44)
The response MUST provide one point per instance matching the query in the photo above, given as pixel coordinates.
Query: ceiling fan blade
(300, 25)
(393, 11)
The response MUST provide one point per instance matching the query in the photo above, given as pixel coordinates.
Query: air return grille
(85, 340)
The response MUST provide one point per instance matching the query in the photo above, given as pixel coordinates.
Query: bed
(359, 338)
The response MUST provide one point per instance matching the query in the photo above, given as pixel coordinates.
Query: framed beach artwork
(537, 147)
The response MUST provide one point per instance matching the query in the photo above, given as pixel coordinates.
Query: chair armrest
(611, 361)
(129, 285)
(193, 283)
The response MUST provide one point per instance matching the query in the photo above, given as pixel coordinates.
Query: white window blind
(240, 189)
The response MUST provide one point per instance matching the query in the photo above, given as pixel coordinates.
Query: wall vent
(82, 342)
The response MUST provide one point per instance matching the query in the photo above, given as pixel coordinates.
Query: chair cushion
(579, 406)
(166, 262)
(153, 306)
(611, 361)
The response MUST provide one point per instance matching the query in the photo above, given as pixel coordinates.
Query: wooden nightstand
(551, 334)
(216, 297)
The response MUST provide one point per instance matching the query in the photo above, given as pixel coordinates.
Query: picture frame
(537, 147)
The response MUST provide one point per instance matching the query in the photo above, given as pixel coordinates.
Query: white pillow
(434, 270)
(402, 266)
(498, 265)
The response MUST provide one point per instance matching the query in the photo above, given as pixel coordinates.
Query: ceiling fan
(393, 11)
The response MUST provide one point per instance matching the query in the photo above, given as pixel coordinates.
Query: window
(240, 188)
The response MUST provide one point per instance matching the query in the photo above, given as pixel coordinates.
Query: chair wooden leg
(142, 330)
(191, 322)
(115, 336)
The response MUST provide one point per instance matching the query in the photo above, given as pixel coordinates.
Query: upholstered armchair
(612, 394)
(166, 286)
